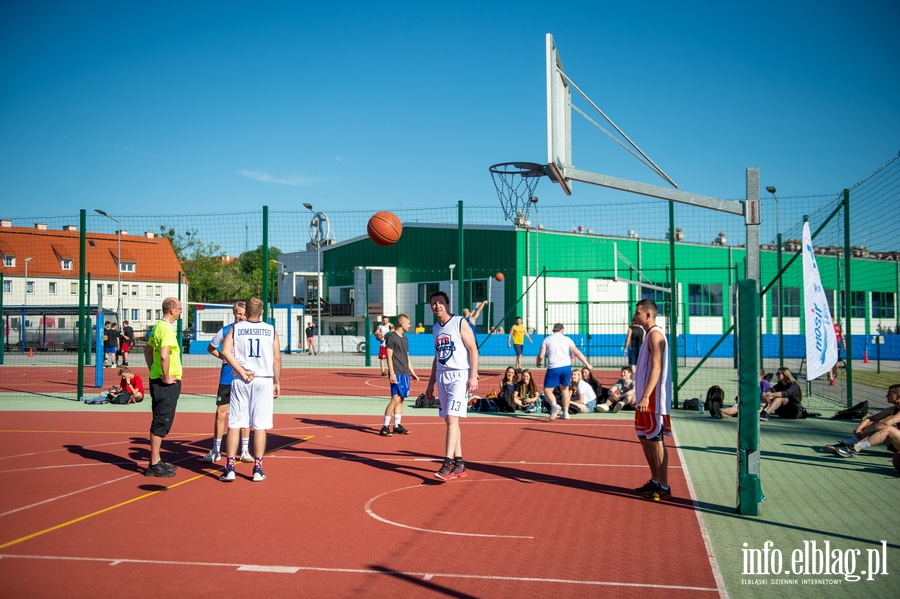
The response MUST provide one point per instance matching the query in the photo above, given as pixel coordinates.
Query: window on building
(312, 290)
(134, 290)
(9, 261)
(347, 295)
(66, 264)
(149, 290)
(128, 266)
(7, 286)
(109, 289)
(61, 322)
(158, 291)
(73, 288)
(791, 302)
(705, 300)
(343, 328)
(425, 291)
(882, 304)
(29, 287)
(662, 299)
(475, 291)
(149, 315)
(159, 314)
(52, 287)
(99, 290)
(124, 289)
(135, 314)
(211, 326)
(857, 304)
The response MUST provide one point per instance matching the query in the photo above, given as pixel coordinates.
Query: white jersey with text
(449, 349)
(253, 347)
(661, 396)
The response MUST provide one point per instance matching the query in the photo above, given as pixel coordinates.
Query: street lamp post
(118, 264)
(25, 302)
(317, 239)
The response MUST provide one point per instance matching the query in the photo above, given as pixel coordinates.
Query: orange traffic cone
(866, 357)
(30, 352)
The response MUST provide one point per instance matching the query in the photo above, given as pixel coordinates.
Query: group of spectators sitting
(519, 391)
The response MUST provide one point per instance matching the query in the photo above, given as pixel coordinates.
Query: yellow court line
(132, 500)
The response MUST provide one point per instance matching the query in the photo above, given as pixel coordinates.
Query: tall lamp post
(25, 302)
(317, 234)
(118, 263)
(780, 296)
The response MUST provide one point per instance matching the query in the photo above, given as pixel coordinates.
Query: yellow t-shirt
(420, 330)
(164, 335)
(518, 334)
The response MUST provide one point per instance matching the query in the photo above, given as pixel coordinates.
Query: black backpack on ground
(857, 412)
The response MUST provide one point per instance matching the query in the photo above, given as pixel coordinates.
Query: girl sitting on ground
(784, 398)
(584, 400)
(527, 392)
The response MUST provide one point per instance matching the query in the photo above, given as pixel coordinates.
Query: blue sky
(207, 107)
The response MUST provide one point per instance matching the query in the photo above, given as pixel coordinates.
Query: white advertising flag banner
(821, 343)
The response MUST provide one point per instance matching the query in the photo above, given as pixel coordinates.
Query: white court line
(25, 507)
(68, 466)
(422, 575)
(717, 573)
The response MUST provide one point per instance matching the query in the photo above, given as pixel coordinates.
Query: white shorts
(451, 391)
(251, 404)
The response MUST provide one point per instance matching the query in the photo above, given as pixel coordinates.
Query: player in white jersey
(653, 392)
(253, 351)
(455, 373)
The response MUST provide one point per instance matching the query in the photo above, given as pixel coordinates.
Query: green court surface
(812, 496)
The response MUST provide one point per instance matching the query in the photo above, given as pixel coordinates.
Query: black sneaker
(658, 494)
(763, 416)
(385, 431)
(159, 470)
(459, 470)
(646, 487)
(841, 449)
(445, 473)
(168, 466)
(400, 430)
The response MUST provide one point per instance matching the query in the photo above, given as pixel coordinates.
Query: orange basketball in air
(384, 228)
(499, 276)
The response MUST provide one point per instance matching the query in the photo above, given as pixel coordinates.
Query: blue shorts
(401, 387)
(518, 348)
(109, 350)
(554, 377)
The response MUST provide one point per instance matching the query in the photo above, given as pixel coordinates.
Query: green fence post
(749, 487)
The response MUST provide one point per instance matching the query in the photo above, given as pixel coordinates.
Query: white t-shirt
(585, 392)
(450, 351)
(253, 347)
(557, 351)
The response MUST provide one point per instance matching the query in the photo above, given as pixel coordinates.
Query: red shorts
(382, 353)
(650, 425)
(125, 347)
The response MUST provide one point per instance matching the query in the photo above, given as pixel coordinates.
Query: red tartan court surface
(547, 509)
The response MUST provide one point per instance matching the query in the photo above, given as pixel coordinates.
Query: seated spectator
(506, 395)
(420, 328)
(784, 398)
(621, 394)
(584, 400)
(587, 376)
(527, 392)
(764, 387)
(880, 428)
(131, 386)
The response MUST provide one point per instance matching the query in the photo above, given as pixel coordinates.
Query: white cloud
(294, 181)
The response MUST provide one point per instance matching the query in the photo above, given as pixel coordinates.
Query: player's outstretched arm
(276, 366)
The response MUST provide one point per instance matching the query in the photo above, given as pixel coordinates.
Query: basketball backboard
(559, 118)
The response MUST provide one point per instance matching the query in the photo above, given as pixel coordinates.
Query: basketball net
(515, 183)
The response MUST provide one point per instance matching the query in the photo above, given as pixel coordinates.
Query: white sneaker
(554, 411)
(619, 405)
(258, 475)
(212, 457)
(228, 476)
(246, 457)
(602, 407)
(565, 415)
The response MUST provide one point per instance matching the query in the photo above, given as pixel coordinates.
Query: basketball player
(223, 396)
(455, 372)
(516, 338)
(653, 390)
(399, 370)
(252, 349)
(381, 333)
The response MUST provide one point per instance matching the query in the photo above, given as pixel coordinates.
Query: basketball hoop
(515, 183)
